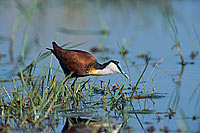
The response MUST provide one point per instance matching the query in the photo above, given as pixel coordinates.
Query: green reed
(173, 32)
(171, 26)
(28, 17)
(196, 43)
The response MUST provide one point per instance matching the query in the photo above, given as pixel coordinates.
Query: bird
(81, 63)
(89, 125)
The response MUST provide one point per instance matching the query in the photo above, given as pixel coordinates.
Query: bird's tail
(55, 48)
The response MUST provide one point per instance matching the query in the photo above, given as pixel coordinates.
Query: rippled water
(138, 24)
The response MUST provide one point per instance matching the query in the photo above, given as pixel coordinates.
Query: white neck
(109, 69)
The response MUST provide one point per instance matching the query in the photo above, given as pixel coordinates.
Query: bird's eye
(117, 62)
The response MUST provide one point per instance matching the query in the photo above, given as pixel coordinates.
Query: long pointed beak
(125, 75)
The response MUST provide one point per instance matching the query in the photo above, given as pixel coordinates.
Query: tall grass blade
(196, 34)
(7, 94)
(29, 16)
(125, 63)
(171, 27)
(197, 37)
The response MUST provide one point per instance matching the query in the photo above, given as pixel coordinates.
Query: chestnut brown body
(76, 61)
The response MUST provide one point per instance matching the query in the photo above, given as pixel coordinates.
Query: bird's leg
(83, 86)
(73, 84)
(65, 80)
(64, 85)
(67, 77)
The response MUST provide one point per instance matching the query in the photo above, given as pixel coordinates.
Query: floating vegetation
(148, 96)
(2, 54)
(4, 38)
(193, 54)
(145, 111)
(97, 49)
(84, 32)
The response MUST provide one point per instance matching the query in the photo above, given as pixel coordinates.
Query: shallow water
(141, 22)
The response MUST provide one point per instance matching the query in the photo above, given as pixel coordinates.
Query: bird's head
(109, 67)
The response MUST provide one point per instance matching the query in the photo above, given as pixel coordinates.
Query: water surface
(137, 23)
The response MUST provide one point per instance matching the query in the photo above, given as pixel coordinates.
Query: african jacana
(82, 63)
